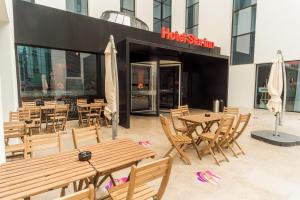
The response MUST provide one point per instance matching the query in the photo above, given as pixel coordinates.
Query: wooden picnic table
(25, 178)
(111, 156)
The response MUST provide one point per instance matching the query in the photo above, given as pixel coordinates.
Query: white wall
(2, 146)
(97, 7)
(277, 27)
(59, 4)
(8, 73)
(241, 86)
(144, 11)
(178, 16)
(215, 18)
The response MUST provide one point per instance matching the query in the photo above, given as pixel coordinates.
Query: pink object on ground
(110, 185)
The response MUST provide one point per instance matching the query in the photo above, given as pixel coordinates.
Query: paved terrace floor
(266, 172)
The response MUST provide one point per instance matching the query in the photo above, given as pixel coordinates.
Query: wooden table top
(117, 154)
(25, 178)
(201, 118)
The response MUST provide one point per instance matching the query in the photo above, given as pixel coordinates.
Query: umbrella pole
(284, 92)
(276, 124)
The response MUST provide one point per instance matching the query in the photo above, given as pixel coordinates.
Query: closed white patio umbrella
(275, 87)
(112, 86)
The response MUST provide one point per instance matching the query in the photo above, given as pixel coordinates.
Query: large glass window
(162, 10)
(292, 90)
(128, 6)
(77, 6)
(192, 16)
(243, 32)
(56, 73)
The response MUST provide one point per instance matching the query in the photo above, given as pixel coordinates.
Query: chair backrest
(241, 125)
(80, 135)
(14, 129)
(99, 101)
(146, 173)
(184, 109)
(35, 112)
(224, 127)
(19, 116)
(44, 142)
(61, 110)
(86, 194)
(81, 101)
(175, 113)
(166, 127)
(231, 111)
(50, 103)
(95, 108)
(28, 103)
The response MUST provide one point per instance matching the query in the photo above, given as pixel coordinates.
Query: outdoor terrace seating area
(154, 138)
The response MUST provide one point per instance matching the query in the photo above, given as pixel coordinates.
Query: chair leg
(195, 146)
(231, 149)
(183, 155)
(63, 191)
(242, 151)
(213, 155)
(169, 152)
(222, 152)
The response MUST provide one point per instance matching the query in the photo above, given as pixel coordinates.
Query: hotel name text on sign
(186, 38)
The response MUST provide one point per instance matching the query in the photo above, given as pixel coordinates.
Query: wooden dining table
(112, 156)
(28, 177)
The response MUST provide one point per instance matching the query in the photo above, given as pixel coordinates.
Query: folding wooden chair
(42, 143)
(99, 101)
(14, 130)
(232, 111)
(59, 119)
(237, 131)
(211, 139)
(28, 103)
(93, 116)
(179, 126)
(19, 116)
(184, 109)
(86, 194)
(36, 117)
(178, 142)
(140, 176)
(82, 118)
(80, 135)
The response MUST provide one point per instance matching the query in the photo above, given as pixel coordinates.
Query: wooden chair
(19, 116)
(91, 133)
(28, 103)
(36, 117)
(179, 126)
(140, 176)
(184, 109)
(94, 114)
(14, 130)
(99, 101)
(59, 119)
(237, 131)
(50, 103)
(178, 142)
(211, 139)
(82, 118)
(40, 143)
(86, 194)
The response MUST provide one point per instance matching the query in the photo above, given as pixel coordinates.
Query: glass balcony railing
(125, 19)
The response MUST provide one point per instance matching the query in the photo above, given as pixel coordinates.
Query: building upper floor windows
(77, 6)
(128, 7)
(162, 11)
(243, 32)
(192, 16)
(30, 1)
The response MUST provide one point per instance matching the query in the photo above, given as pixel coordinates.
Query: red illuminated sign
(186, 38)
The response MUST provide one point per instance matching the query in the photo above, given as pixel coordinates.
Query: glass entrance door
(143, 88)
(170, 86)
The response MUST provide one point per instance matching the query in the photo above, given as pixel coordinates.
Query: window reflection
(56, 73)
(162, 14)
(292, 90)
